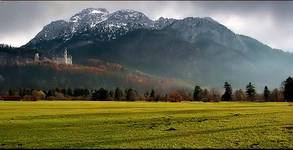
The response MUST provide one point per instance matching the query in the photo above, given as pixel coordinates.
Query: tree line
(285, 93)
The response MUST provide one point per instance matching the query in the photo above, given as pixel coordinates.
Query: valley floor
(90, 124)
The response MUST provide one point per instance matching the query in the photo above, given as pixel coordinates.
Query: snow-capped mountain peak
(99, 24)
(88, 18)
(129, 16)
(96, 12)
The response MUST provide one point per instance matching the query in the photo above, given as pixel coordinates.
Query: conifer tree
(288, 89)
(197, 92)
(250, 91)
(101, 94)
(152, 95)
(118, 94)
(266, 93)
(130, 94)
(227, 96)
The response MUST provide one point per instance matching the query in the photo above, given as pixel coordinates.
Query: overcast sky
(268, 22)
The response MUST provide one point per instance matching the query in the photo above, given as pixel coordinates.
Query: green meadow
(92, 124)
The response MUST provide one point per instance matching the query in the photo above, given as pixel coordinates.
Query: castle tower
(65, 56)
(37, 57)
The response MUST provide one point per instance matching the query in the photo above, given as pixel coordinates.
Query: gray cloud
(268, 22)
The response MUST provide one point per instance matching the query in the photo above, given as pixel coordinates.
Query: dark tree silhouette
(146, 94)
(51, 92)
(288, 89)
(152, 95)
(24, 91)
(81, 92)
(250, 91)
(86, 92)
(111, 94)
(12, 92)
(101, 94)
(77, 92)
(118, 94)
(130, 94)
(197, 93)
(227, 96)
(63, 91)
(266, 93)
(204, 95)
(57, 90)
(69, 92)
(276, 95)
(21, 92)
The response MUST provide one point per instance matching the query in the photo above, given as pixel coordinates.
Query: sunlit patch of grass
(88, 124)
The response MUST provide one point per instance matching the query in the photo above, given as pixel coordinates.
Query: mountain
(192, 50)
(93, 24)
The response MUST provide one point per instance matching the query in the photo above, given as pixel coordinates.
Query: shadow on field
(112, 114)
(177, 134)
(164, 113)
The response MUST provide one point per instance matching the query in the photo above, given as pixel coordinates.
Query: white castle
(66, 59)
(37, 57)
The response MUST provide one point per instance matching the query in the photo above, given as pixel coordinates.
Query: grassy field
(88, 124)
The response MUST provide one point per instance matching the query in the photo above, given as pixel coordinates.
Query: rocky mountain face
(91, 22)
(198, 50)
(99, 24)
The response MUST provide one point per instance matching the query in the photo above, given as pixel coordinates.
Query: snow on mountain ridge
(100, 23)
(89, 17)
(96, 12)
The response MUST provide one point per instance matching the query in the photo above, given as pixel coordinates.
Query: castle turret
(37, 57)
(65, 56)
